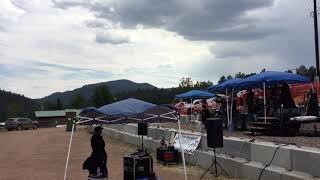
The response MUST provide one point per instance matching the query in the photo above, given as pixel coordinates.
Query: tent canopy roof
(129, 110)
(229, 84)
(271, 78)
(195, 94)
(128, 107)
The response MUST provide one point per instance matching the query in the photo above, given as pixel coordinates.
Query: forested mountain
(15, 105)
(86, 91)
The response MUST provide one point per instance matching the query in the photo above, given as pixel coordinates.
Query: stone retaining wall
(239, 157)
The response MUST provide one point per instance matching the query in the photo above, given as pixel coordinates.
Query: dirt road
(41, 154)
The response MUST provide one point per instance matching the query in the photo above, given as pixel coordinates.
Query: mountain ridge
(115, 86)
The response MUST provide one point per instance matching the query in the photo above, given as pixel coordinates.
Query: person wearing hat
(97, 162)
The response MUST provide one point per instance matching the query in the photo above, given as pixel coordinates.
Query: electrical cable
(240, 149)
(274, 154)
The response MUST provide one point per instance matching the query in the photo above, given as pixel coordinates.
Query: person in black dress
(250, 101)
(97, 162)
(204, 112)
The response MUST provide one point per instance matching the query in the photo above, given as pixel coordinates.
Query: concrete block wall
(253, 169)
(263, 152)
(296, 175)
(306, 160)
(236, 147)
(239, 157)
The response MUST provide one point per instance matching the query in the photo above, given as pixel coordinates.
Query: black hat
(98, 128)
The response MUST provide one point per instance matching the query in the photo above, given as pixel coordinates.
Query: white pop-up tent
(129, 110)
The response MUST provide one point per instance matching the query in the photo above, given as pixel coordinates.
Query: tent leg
(182, 152)
(67, 162)
(142, 142)
(230, 125)
(191, 110)
(227, 106)
(265, 103)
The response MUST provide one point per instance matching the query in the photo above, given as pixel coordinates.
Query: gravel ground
(305, 137)
(41, 154)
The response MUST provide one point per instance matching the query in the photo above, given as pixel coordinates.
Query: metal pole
(215, 163)
(230, 126)
(265, 103)
(231, 107)
(182, 152)
(142, 142)
(316, 41)
(66, 168)
(227, 106)
(191, 109)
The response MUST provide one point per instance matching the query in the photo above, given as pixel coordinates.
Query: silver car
(20, 124)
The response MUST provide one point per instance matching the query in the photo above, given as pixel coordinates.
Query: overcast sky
(57, 45)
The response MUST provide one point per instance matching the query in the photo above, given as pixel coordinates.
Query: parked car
(2, 124)
(20, 124)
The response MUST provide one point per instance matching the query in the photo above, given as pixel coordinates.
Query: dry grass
(41, 154)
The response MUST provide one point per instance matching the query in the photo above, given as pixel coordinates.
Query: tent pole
(231, 123)
(142, 142)
(191, 109)
(227, 106)
(67, 162)
(264, 102)
(182, 152)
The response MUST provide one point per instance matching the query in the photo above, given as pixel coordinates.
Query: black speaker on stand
(214, 140)
(142, 131)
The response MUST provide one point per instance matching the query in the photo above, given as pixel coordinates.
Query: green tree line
(14, 105)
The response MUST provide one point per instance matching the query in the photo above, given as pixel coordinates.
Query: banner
(189, 142)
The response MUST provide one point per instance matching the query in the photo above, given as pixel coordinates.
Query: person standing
(97, 162)
(250, 101)
(204, 112)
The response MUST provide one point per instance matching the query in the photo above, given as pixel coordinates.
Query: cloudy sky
(57, 45)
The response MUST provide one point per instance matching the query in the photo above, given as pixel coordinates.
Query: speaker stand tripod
(142, 142)
(214, 164)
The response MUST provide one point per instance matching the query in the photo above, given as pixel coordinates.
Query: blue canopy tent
(271, 78)
(229, 84)
(194, 94)
(224, 87)
(125, 111)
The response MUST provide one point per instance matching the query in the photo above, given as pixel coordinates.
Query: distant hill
(15, 105)
(117, 86)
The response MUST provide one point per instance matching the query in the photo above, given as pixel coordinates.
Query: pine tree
(101, 96)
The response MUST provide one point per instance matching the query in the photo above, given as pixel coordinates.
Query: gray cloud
(95, 24)
(13, 70)
(73, 72)
(196, 20)
(2, 28)
(110, 38)
(64, 4)
(24, 5)
(291, 47)
(3, 22)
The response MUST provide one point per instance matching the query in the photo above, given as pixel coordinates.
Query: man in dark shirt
(204, 112)
(250, 101)
(98, 158)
